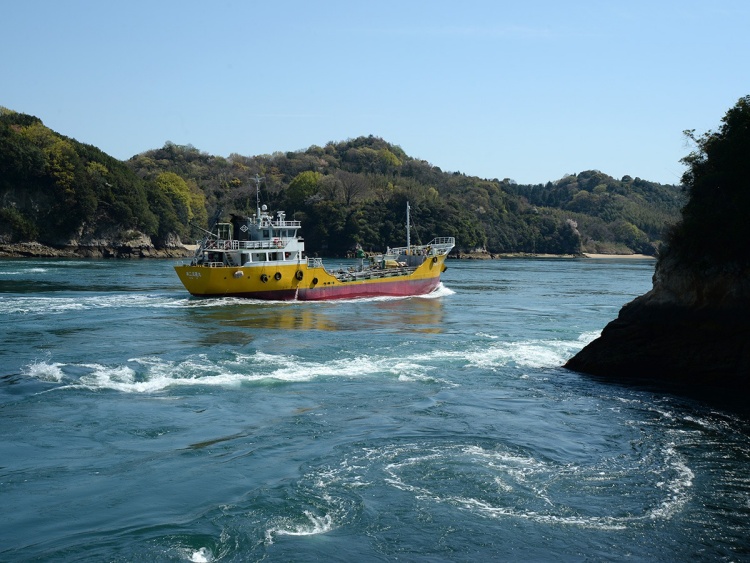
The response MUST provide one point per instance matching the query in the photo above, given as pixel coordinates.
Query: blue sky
(528, 90)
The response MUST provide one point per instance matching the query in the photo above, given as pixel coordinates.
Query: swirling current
(141, 424)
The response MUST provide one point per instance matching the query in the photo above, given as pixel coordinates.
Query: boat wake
(60, 305)
(440, 291)
(33, 305)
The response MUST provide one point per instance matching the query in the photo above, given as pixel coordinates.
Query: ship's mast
(408, 230)
(257, 196)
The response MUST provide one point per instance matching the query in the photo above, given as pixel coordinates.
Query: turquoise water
(140, 424)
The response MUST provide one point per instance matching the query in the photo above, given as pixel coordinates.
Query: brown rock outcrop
(108, 245)
(692, 328)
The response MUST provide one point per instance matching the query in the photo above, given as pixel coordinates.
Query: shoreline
(589, 255)
(616, 256)
(38, 250)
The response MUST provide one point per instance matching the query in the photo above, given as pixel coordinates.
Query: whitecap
(45, 305)
(315, 525)
(22, 272)
(498, 353)
(154, 374)
(485, 335)
(528, 354)
(44, 371)
(588, 337)
(202, 555)
(678, 486)
(120, 378)
(59, 305)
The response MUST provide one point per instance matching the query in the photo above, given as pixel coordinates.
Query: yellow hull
(298, 281)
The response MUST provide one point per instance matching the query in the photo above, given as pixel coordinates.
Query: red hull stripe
(397, 288)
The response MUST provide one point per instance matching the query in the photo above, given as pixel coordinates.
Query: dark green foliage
(15, 226)
(631, 212)
(53, 188)
(714, 227)
(162, 206)
(20, 160)
(345, 193)
(356, 191)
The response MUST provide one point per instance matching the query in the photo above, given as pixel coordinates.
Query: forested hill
(55, 189)
(63, 193)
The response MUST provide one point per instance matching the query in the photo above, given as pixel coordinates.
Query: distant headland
(72, 198)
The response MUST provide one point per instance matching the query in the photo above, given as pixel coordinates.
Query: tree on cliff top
(715, 228)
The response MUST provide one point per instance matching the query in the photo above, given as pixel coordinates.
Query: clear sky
(529, 90)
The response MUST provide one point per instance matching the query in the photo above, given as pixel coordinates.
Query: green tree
(198, 205)
(188, 204)
(304, 186)
(353, 186)
(714, 226)
(387, 160)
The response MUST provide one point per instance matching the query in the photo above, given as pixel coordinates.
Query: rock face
(112, 244)
(692, 328)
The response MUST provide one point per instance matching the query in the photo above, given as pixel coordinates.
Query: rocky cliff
(112, 244)
(692, 329)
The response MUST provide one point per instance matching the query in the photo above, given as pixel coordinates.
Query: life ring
(263, 278)
(278, 243)
(299, 275)
(227, 244)
(277, 276)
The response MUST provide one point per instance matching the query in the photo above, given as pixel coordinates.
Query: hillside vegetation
(57, 190)
(714, 228)
(692, 329)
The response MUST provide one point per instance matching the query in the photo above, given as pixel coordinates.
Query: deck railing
(436, 247)
(246, 244)
(314, 262)
(287, 224)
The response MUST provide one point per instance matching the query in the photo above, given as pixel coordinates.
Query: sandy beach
(620, 256)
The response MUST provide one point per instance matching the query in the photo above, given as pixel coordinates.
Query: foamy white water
(141, 424)
(153, 374)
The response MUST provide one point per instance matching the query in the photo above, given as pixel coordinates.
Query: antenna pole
(257, 196)
(408, 229)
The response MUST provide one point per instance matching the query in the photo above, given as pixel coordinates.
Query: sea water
(140, 424)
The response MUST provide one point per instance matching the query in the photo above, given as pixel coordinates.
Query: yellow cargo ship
(266, 260)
